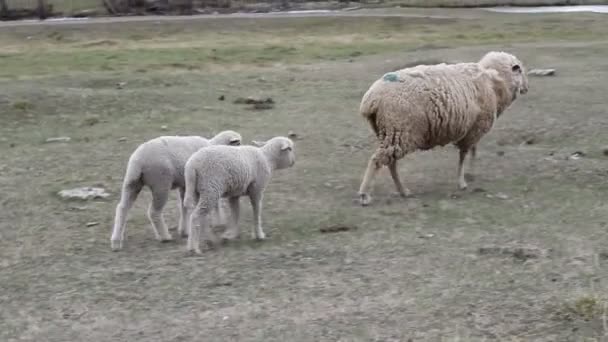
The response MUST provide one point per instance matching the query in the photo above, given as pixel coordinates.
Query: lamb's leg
(462, 184)
(403, 192)
(232, 230)
(368, 180)
(128, 196)
(184, 230)
(197, 219)
(217, 217)
(160, 195)
(256, 203)
(183, 215)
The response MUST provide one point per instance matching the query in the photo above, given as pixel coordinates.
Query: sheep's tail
(369, 110)
(190, 180)
(133, 178)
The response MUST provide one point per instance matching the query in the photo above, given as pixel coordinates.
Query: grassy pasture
(520, 256)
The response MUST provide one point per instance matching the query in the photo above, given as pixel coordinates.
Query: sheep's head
(510, 69)
(227, 138)
(281, 150)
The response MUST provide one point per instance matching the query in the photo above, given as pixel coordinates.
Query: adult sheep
(217, 172)
(426, 106)
(159, 164)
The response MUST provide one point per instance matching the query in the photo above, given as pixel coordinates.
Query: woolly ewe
(159, 164)
(426, 106)
(224, 171)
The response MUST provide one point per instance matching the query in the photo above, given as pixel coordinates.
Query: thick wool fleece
(426, 106)
(433, 105)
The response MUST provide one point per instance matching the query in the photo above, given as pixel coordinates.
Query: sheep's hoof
(165, 239)
(260, 238)
(116, 245)
(364, 199)
(404, 194)
(463, 186)
(193, 252)
(229, 236)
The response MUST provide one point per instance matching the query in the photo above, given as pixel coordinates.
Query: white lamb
(159, 164)
(216, 172)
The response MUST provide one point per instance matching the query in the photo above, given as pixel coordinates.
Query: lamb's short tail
(190, 180)
(133, 180)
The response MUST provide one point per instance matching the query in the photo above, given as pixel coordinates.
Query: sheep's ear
(285, 146)
(235, 141)
(258, 143)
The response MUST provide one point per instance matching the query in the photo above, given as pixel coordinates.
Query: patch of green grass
(587, 307)
(23, 106)
(305, 40)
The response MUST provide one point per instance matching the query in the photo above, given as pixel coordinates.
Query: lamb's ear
(258, 143)
(235, 141)
(285, 146)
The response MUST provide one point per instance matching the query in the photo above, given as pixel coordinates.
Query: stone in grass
(336, 228)
(542, 72)
(84, 193)
(58, 139)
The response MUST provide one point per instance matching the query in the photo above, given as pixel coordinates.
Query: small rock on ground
(84, 193)
(336, 228)
(58, 139)
(91, 224)
(542, 72)
(254, 100)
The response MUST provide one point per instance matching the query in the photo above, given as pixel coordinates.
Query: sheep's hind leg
(232, 231)
(403, 192)
(155, 213)
(184, 215)
(197, 219)
(128, 196)
(368, 180)
(470, 176)
(462, 184)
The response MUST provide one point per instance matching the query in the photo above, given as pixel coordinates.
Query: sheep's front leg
(368, 180)
(256, 203)
(232, 231)
(462, 184)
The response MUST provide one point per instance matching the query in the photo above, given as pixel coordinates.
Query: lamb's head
(510, 69)
(280, 151)
(227, 138)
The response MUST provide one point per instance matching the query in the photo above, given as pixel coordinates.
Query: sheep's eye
(288, 149)
(516, 68)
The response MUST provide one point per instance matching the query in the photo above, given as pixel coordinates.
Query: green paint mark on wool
(390, 77)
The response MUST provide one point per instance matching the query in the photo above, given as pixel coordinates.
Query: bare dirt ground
(521, 256)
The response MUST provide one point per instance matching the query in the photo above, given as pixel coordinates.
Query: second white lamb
(217, 172)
